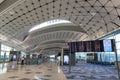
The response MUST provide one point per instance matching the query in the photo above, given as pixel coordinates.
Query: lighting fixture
(93, 13)
(2, 37)
(11, 12)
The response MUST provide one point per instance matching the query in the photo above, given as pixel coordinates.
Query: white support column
(62, 52)
(0, 51)
(0, 48)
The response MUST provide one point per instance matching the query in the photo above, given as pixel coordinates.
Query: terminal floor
(46, 71)
(84, 71)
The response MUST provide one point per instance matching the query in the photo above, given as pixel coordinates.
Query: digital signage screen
(93, 46)
(81, 46)
(77, 47)
(107, 44)
(66, 59)
(89, 46)
(98, 46)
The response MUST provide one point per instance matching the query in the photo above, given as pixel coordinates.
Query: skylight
(49, 23)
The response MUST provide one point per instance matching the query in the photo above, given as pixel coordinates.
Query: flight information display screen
(107, 44)
(89, 46)
(98, 44)
(81, 47)
(93, 46)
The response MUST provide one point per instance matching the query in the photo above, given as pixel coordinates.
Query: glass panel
(7, 56)
(5, 48)
(118, 45)
(112, 56)
(117, 37)
(2, 56)
(102, 56)
(106, 57)
(8, 48)
(2, 47)
(118, 52)
(99, 57)
(111, 37)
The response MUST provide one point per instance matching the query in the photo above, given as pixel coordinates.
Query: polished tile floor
(86, 71)
(46, 71)
(50, 71)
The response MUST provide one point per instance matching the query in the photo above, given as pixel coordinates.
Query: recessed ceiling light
(11, 12)
(80, 24)
(93, 13)
(2, 37)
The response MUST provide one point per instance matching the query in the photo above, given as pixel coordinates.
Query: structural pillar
(73, 62)
(62, 52)
(0, 51)
(0, 47)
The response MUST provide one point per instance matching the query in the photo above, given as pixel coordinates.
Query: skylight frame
(49, 23)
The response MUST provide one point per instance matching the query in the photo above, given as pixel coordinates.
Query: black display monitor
(89, 46)
(98, 46)
(77, 46)
(81, 47)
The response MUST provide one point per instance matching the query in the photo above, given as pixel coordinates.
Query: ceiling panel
(94, 17)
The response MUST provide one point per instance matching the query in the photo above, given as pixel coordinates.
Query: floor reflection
(45, 71)
(3, 68)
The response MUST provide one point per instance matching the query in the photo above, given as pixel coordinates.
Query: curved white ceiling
(93, 18)
(49, 23)
(1, 1)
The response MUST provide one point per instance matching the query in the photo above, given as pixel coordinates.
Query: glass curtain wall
(111, 55)
(5, 51)
(108, 57)
(117, 40)
(81, 56)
